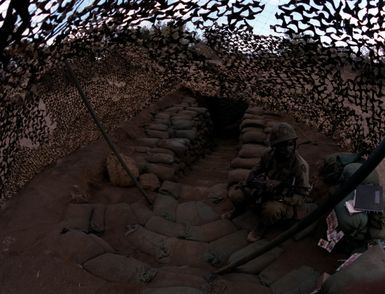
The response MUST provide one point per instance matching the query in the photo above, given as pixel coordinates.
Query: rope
(88, 105)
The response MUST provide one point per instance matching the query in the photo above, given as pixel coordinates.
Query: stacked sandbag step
(176, 137)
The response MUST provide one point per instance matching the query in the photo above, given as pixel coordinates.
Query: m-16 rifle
(263, 188)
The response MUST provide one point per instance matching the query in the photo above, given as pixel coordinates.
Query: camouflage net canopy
(324, 65)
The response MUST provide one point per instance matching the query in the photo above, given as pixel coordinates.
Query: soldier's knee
(235, 194)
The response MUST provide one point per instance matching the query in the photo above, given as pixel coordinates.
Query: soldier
(278, 183)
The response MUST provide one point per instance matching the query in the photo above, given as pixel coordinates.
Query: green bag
(334, 164)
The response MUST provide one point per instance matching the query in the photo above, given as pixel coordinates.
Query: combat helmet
(282, 132)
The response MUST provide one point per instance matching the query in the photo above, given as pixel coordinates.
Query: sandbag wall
(175, 138)
(255, 129)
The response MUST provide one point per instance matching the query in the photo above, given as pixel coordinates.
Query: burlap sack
(171, 188)
(118, 268)
(157, 127)
(157, 134)
(220, 250)
(253, 123)
(195, 213)
(164, 172)
(254, 137)
(237, 175)
(142, 212)
(78, 217)
(149, 181)
(255, 265)
(166, 207)
(118, 176)
(252, 150)
(160, 158)
(164, 227)
(78, 246)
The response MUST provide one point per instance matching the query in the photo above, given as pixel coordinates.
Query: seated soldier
(358, 227)
(278, 183)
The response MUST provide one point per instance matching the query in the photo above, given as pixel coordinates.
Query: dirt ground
(29, 265)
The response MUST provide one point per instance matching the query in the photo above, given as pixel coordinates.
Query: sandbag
(97, 223)
(209, 232)
(247, 221)
(78, 217)
(148, 242)
(157, 134)
(244, 163)
(141, 212)
(256, 137)
(185, 252)
(302, 280)
(118, 176)
(162, 226)
(182, 124)
(252, 150)
(191, 193)
(150, 142)
(177, 146)
(118, 216)
(118, 268)
(171, 188)
(162, 115)
(164, 172)
(161, 150)
(220, 250)
(166, 207)
(158, 127)
(160, 158)
(217, 193)
(188, 134)
(367, 271)
(149, 181)
(237, 175)
(253, 123)
(166, 278)
(195, 213)
(78, 246)
(172, 290)
(255, 265)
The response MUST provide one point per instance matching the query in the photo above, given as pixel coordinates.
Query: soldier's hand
(272, 185)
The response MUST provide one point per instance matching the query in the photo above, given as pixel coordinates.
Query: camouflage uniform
(291, 175)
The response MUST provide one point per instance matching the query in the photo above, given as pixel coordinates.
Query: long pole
(102, 130)
(334, 198)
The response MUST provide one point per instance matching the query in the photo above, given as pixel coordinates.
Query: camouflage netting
(325, 67)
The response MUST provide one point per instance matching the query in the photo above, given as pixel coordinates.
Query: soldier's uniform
(294, 174)
(291, 173)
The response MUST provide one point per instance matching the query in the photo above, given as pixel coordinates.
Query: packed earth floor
(81, 226)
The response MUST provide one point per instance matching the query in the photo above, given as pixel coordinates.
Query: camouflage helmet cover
(281, 133)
